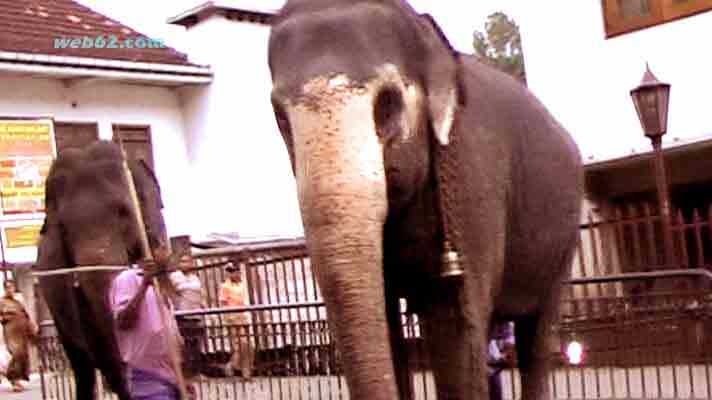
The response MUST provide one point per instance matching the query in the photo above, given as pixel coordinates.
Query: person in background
(144, 324)
(506, 342)
(500, 355)
(233, 293)
(19, 331)
(189, 296)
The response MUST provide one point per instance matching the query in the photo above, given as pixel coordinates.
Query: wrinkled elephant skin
(365, 93)
(90, 221)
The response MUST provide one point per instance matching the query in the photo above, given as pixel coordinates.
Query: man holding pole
(142, 329)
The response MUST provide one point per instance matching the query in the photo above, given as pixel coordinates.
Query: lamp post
(651, 100)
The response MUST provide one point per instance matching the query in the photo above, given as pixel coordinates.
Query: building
(235, 146)
(56, 80)
(582, 63)
(97, 92)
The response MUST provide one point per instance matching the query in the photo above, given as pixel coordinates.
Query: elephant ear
(148, 191)
(146, 181)
(54, 190)
(442, 79)
(51, 251)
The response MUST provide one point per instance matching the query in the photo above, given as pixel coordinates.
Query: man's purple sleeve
(123, 289)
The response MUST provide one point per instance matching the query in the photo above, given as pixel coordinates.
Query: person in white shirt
(189, 295)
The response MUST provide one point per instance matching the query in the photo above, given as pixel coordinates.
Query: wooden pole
(173, 348)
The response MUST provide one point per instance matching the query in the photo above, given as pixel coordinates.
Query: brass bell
(451, 262)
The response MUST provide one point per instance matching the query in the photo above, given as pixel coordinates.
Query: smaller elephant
(90, 221)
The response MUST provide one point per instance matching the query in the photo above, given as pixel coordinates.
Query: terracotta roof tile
(31, 26)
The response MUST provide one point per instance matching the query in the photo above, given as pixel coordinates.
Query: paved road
(33, 391)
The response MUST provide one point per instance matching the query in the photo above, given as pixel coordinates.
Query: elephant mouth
(396, 193)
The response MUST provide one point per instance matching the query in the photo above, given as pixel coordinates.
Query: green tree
(501, 46)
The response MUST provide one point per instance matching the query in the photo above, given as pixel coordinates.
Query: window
(71, 134)
(137, 142)
(624, 16)
(633, 9)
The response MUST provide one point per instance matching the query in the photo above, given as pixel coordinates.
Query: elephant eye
(387, 109)
(123, 211)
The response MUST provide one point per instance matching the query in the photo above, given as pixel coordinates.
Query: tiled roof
(31, 26)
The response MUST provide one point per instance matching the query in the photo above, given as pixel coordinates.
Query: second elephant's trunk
(342, 189)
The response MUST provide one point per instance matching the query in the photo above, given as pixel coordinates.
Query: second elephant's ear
(442, 79)
(145, 180)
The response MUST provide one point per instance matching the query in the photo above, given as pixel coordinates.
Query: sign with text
(26, 153)
(22, 235)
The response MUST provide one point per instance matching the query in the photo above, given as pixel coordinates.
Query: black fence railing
(296, 359)
(289, 359)
(652, 342)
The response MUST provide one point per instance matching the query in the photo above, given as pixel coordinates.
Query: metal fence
(288, 336)
(292, 359)
(643, 325)
(624, 240)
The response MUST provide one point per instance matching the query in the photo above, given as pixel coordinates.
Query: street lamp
(651, 100)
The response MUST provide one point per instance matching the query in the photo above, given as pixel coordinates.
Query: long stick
(75, 270)
(170, 339)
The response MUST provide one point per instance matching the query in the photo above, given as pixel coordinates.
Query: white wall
(107, 104)
(585, 79)
(238, 158)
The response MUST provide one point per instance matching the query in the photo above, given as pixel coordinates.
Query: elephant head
(90, 221)
(362, 91)
(89, 207)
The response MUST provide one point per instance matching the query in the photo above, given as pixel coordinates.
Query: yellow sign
(25, 138)
(26, 153)
(22, 236)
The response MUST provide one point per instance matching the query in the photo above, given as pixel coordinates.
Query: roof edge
(671, 148)
(192, 16)
(99, 63)
(103, 73)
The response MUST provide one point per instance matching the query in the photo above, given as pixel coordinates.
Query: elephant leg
(104, 349)
(113, 371)
(532, 335)
(399, 350)
(81, 362)
(532, 356)
(84, 376)
(108, 360)
(457, 350)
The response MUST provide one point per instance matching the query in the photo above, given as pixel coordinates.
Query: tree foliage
(501, 45)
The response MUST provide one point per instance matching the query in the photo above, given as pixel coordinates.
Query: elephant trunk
(349, 271)
(342, 189)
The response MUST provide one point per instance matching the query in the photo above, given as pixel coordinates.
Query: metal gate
(294, 356)
(643, 325)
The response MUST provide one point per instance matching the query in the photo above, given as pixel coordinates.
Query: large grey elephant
(384, 123)
(90, 221)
